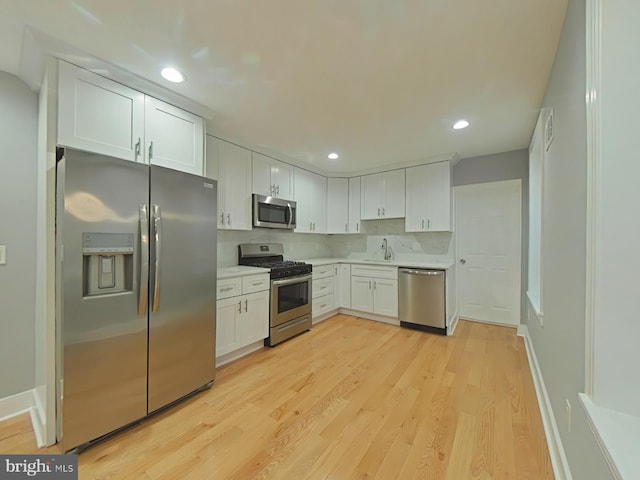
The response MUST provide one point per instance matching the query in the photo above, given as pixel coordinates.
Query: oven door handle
(289, 281)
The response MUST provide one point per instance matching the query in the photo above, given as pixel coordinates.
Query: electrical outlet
(3, 254)
(567, 410)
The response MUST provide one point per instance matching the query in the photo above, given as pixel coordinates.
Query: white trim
(370, 316)
(594, 168)
(324, 316)
(559, 461)
(488, 322)
(15, 404)
(241, 352)
(588, 407)
(454, 324)
(534, 307)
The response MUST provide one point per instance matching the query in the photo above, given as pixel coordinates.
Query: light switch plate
(3, 254)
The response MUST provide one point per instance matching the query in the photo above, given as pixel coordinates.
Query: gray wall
(18, 140)
(560, 344)
(496, 168)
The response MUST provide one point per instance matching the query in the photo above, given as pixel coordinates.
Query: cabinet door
(354, 205)
(234, 206)
(228, 328)
(98, 115)
(393, 194)
(416, 199)
(301, 186)
(261, 173)
(438, 196)
(385, 297)
(362, 294)
(370, 195)
(174, 137)
(282, 178)
(318, 203)
(342, 285)
(338, 205)
(211, 158)
(255, 317)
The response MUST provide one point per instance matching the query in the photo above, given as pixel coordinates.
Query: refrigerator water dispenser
(107, 263)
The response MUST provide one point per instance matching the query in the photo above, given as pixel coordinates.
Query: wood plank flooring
(351, 399)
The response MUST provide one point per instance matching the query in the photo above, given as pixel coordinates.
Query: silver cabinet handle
(143, 295)
(378, 211)
(150, 151)
(157, 232)
(239, 306)
(323, 305)
(369, 284)
(357, 227)
(314, 226)
(429, 224)
(137, 149)
(273, 190)
(226, 289)
(228, 219)
(277, 189)
(346, 227)
(323, 287)
(375, 285)
(463, 261)
(246, 305)
(255, 284)
(423, 223)
(383, 211)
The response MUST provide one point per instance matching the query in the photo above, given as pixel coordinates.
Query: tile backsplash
(428, 247)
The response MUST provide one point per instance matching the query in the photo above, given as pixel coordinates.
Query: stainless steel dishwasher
(421, 299)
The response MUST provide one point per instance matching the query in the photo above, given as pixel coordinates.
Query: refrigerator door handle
(143, 287)
(157, 232)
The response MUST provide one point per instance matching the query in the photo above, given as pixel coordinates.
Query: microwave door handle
(290, 215)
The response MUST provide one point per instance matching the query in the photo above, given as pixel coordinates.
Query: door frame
(456, 206)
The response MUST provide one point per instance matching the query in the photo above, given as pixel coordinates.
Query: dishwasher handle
(431, 273)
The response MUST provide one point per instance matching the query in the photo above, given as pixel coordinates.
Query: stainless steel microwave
(271, 212)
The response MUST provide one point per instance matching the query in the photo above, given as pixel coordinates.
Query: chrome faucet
(387, 249)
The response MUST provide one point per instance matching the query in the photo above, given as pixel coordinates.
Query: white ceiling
(379, 81)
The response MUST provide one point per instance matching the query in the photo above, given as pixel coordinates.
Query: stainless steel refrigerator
(136, 283)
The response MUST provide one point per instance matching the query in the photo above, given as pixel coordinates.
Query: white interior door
(488, 232)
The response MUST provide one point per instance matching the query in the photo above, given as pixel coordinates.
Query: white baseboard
(241, 352)
(370, 316)
(454, 323)
(324, 316)
(497, 324)
(26, 402)
(554, 442)
(39, 415)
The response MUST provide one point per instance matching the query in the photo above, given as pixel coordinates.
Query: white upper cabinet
(310, 194)
(354, 205)
(234, 186)
(428, 198)
(382, 195)
(272, 177)
(174, 138)
(338, 205)
(98, 115)
(211, 158)
(102, 116)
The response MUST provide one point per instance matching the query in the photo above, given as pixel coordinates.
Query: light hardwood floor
(351, 399)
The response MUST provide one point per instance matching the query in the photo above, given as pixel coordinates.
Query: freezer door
(102, 334)
(182, 296)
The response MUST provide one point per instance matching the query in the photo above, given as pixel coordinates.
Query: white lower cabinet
(243, 318)
(342, 285)
(374, 289)
(322, 290)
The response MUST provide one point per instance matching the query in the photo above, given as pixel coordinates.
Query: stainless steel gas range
(290, 312)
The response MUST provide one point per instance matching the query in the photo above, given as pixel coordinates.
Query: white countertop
(394, 263)
(240, 271)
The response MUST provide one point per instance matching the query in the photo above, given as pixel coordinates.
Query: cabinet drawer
(323, 271)
(322, 286)
(255, 283)
(229, 287)
(322, 305)
(374, 271)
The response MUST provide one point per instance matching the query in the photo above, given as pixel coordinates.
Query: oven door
(290, 298)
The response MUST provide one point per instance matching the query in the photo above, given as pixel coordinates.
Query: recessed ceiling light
(460, 124)
(333, 156)
(171, 74)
